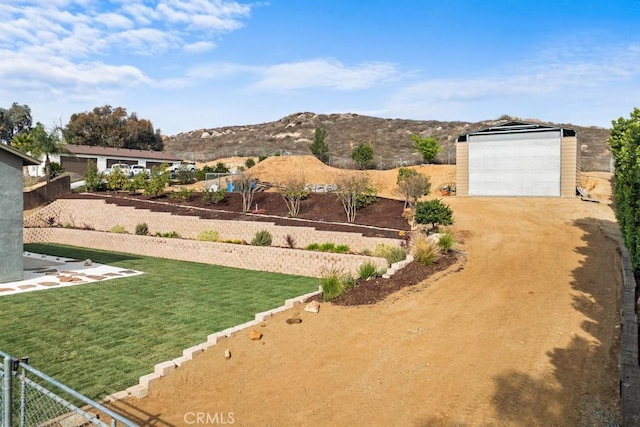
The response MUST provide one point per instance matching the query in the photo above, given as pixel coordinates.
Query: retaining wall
(272, 259)
(46, 193)
(629, 360)
(104, 216)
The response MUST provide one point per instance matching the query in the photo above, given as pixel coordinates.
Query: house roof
(26, 159)
(516, 127)
(89, 150)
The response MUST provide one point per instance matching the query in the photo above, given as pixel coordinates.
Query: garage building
(518, 159)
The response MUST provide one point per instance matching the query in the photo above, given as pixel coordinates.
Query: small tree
(433, 212)
(92, 178)
(427, 147)
(157, 181)
(246, 185)
(249, 163)
(319, 148)
(405, 173)
(117, 180)
(137, 183)
(362, 154)
(221, 168)
(353, 192)
(293, 192)
(414, 186)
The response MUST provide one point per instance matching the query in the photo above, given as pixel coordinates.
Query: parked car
(138, 169)
(122, 166)
(183, 165)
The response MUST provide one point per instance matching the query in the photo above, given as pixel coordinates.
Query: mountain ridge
(391, 139)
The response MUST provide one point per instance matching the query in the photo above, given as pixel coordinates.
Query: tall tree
(112, 127)
(427, 147)
(42, 142)
(319, 148)
(13, 121)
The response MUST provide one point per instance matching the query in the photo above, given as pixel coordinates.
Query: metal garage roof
(515, 127)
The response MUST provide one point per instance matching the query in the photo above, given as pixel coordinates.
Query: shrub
(327, 247)
(291, 241)
(142, 229)
(55, 169)
(425, 251)
(119, 229)
(117, 179)
(313, 247)
(341, 249)
(446, 241)
(169, 235)
(208, 236)
(92, 178)
(334, 282)
(391, 253)
(137, 183)
(249, 163)
(367, 270)
(215, 197)
(365, 251)
(433, 212)
(262, 238)
(185, 176)
(201, 174)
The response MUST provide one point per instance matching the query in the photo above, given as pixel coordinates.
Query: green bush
(313, 247)
(185, 176)
(262, 238)
(92, 178)
(142, 229)
(334, 282)
(367, 270)
(391, 253)
(433, 212)
(446, 241)
(169, 235)
(341, 249)
(425, 251)
(249, 163)
(214, 197)
(119, 229)
(117, 179)
(327, 247)
(208, 236)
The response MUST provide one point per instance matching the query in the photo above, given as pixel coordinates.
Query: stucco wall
(10, 217)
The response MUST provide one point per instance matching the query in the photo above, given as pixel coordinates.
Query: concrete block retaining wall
(272, 259)
(629, 360)
(104, 216)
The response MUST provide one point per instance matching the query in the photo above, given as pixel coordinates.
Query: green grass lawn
(98, 338)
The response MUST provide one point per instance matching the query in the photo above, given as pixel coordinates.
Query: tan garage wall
(462, 169)
(570, 171)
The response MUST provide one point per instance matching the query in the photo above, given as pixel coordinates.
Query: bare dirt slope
(524, 334)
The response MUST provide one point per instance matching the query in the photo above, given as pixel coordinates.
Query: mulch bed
(367, 292)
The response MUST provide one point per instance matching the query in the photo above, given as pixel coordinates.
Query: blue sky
(193, 64)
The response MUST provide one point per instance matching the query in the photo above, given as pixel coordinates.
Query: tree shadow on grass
(583, 388)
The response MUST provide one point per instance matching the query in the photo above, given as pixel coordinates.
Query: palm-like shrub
(262, 238)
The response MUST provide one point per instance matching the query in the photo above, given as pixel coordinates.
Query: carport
(518, 159)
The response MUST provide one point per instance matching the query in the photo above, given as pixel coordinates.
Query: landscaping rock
(313, 307)
(227, 354)
(293, 320)
(87, 262)
(255, 335)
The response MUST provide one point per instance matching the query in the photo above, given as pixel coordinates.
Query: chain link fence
(31, 398)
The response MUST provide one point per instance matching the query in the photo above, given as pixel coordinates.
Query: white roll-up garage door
(515, 164)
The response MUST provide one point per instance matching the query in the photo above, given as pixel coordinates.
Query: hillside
(391, 139)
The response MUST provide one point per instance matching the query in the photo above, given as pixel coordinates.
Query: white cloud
(199, 47)
(322, 73)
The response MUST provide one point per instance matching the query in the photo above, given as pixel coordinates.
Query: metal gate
(31, 398)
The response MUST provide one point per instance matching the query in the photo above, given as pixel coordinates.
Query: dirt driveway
(524, 334)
